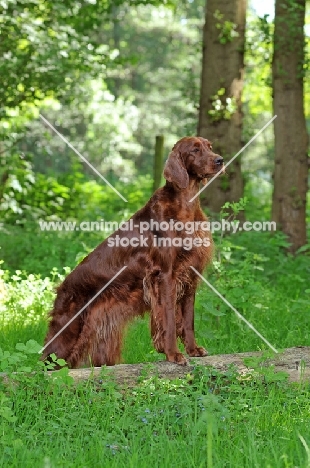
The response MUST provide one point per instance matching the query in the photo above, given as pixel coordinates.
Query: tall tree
(291, 139)
(220, 114)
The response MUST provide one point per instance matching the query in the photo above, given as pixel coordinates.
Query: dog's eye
(195, 150)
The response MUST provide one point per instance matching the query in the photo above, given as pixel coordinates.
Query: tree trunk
(291, 139)
(158, 161)
(220, 114)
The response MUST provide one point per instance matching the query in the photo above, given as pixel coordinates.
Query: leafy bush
(29, 196)
(73, 198)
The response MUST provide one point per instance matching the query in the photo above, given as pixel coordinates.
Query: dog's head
(192, 157)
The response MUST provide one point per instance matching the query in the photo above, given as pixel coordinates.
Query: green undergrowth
(207, 419)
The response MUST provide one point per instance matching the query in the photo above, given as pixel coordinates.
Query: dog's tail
(94, 338)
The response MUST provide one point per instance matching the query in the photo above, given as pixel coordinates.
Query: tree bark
(294, 361)
(291, 139)
(220, 112)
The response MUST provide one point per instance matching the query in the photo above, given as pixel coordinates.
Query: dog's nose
(219, 161)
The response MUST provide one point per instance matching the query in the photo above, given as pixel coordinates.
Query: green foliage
(25, 300)
(165, 423)
(223, 107)
(29, 249)
(227, 28)
(15, 362)
(72, 199)
(55, 44)
(112, 121)
(16, 183)
(6, 408)
(264, 370)
(235, 207)
(52, 43)
(29, 196)
(257, 92)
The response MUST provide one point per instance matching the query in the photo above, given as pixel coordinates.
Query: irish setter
(157, 277)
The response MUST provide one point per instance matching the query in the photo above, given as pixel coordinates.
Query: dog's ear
(175, 170)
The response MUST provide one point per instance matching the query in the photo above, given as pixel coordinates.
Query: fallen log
(294, 361)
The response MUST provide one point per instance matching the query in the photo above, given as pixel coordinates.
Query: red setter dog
(157, 277)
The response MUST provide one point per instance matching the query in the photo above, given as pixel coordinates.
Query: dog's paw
(178, 358)
(197, 352)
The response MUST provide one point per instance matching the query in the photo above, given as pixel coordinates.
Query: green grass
(209, 420)
(218, 418)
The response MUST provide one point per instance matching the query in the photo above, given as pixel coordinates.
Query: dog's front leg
(163, 323)
(187, 333)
